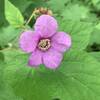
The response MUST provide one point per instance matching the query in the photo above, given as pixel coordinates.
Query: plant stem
(29, 19)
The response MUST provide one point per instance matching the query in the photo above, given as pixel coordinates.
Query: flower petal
(28, 41)
(59, 47)
(52, 58)
(35, 59)
(47, 25)
(62, 38)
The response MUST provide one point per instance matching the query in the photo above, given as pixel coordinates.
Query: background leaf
(79, 31)
(7, 35)
(6, 92)
(22, 4)
(13, 15)
(96, 55)
(77, 78)
(78, 72)
(2, 16)
(57, 5)
(79, 12)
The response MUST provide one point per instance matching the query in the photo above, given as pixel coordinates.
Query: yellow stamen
(44, 44)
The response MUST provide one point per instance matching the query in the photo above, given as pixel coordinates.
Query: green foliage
(96, 4)
(22, 4)
(80, 32)
(57, 5)
(2, 19)
(7, 35)
(79, 12)
(1, 57)
(95, 37)
(7, 94)
(96, 55)
(76, 78)
(13, 15)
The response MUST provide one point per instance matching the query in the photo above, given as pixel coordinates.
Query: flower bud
(40, 11)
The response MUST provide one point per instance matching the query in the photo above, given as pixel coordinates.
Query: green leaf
(7, 94)
(1, 57)
(20, 5)
(80, 32)
(57, 5)
(96, 4)
(95, 1)
(76, 78)
(8, 34)
(10, 58)
(95, 37)
(1, 70)
(2, 17)
(96, 55)
(13, 15)
(79, 12)
(98, 26)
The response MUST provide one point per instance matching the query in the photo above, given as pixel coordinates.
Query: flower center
(44, 44)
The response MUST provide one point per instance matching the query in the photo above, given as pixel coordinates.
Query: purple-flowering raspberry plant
(45, 44)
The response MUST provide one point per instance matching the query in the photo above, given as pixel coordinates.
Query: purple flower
(45, 44)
